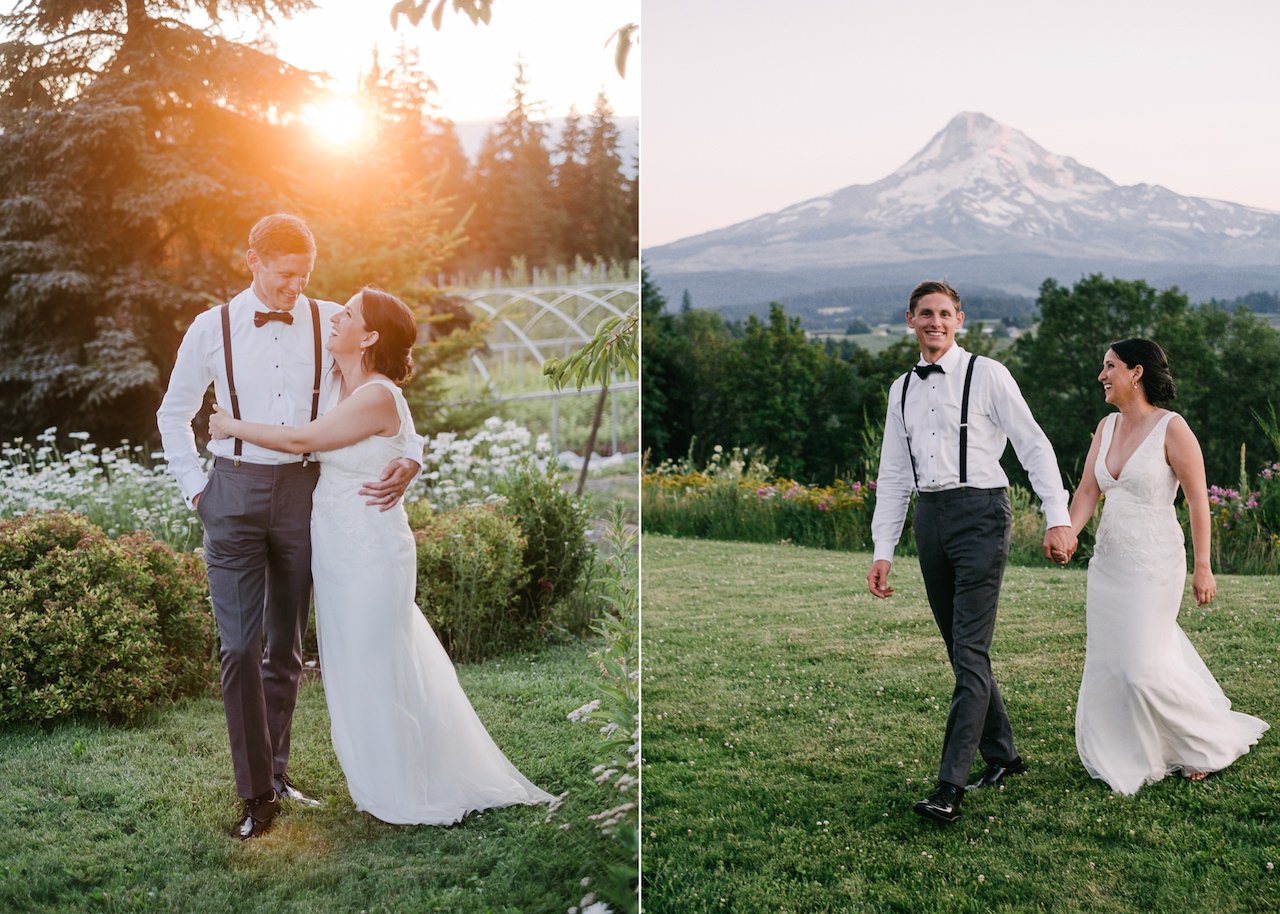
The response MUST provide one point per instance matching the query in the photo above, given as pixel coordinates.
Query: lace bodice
(372, 535)
(344, 470)
(1138, 520)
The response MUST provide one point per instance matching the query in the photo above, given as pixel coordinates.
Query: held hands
(1060, 544)
(387, 491)
(1203, 586)
(878, 579)
(220, 423)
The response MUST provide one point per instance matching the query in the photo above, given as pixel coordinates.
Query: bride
(410, 744)
(1148, 704)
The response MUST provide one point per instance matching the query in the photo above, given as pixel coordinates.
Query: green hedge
(470, 569)
(91, 625)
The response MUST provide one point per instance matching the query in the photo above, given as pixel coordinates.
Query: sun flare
(339, 121)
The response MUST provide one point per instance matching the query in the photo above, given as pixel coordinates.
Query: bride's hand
(1203, 586)
(219, 423)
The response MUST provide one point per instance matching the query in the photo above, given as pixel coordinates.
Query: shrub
(177, 587)
(557, 556)
(93, 625)
(470, 569)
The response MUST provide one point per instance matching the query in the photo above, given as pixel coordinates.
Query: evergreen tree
(572, 189)
(609, 226)
(135, 151)
(515, 216)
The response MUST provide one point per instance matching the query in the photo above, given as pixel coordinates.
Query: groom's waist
(270, 470)
(960, 492)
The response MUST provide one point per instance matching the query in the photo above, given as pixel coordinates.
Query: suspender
(964, 423)
(906, 379)
(231, 378)
(964, 420)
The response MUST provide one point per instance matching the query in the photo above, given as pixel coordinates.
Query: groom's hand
(386, 493)
(878, 579)
(1059, 544)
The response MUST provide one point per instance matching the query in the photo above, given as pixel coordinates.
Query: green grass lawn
(110, 818)
(791, 720)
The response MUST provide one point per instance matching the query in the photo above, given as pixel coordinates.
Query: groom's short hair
(933, 287)
(281, 234)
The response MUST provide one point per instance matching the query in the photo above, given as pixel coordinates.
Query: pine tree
(611, 233)
(135, 152)
(515, 216)
(572, 189)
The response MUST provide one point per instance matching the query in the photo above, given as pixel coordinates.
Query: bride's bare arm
(1085, 500)
(1182, 450)
(369, 411)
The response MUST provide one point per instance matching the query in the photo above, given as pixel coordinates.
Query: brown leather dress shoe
(257, 816)
(289, 791)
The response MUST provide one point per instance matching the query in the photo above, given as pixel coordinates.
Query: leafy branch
(614, 346)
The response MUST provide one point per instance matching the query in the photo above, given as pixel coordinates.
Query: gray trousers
(257, 550)
(963, 540)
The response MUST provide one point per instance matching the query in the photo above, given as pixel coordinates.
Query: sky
(562, 43)
(750, 106)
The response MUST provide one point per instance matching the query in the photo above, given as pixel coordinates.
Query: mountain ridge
(981, 189)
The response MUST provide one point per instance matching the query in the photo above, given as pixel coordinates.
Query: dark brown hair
(279, 235)
(932, 287)
(1157, 380)
(397, 332)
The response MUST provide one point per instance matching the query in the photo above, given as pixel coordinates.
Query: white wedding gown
(410, 744)
(1148, 705)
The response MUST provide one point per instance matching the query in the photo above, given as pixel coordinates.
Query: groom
(948, 421)
(263, 351)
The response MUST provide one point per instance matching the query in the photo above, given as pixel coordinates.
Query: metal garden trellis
(530, 324)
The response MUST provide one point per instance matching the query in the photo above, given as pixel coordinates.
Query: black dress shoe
(289, 791)
(257, 816)
(995, 774)
(943, 805)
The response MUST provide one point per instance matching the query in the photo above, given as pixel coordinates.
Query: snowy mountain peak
(979, 188)
(988, 161)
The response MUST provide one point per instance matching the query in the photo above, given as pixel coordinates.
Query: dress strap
(397, 395)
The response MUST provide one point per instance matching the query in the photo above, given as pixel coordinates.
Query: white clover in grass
(589, 708)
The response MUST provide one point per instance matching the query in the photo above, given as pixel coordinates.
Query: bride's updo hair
(1157, 380)
(397, 332)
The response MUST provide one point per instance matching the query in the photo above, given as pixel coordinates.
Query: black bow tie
(263, 317)
(925, 370)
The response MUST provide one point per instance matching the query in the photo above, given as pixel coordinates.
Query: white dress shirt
(274, 369)
(997, 415)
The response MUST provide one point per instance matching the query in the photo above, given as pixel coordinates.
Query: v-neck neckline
(1111, 439)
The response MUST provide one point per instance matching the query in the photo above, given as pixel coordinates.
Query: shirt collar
(950, 362)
